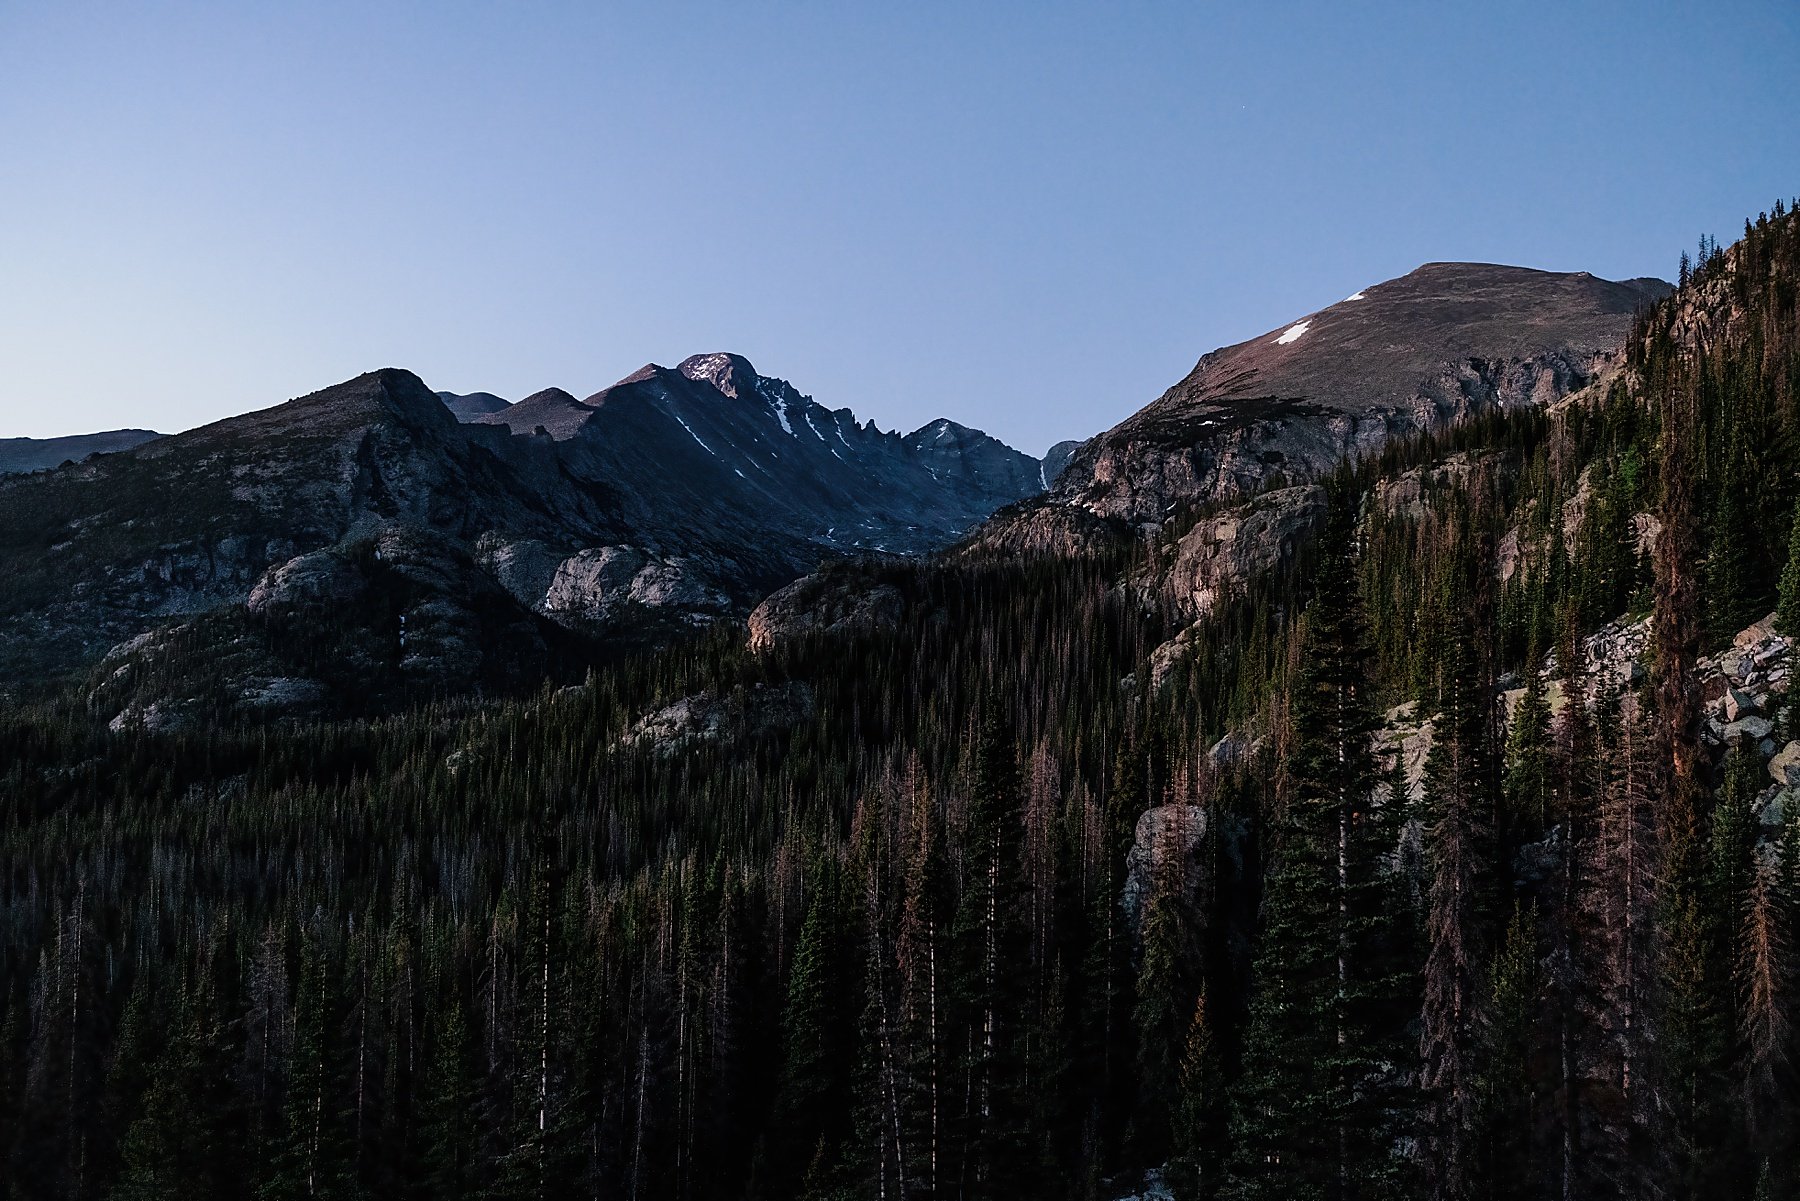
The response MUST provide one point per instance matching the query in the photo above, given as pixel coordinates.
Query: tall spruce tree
(1459, 805)
(991, 946)
(1312, 1115)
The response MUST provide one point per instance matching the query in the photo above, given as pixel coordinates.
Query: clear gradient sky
(1031, 217)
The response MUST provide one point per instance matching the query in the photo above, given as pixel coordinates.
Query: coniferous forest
(1003, 912)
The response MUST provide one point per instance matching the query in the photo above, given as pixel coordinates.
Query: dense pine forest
(990, 908)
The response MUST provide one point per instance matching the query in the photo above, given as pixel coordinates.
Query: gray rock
(671, 583)
(1227, 751)
(832, 601)
(321, 578)
(591, 583)
(1785, 766)
(1757, 632)
(1774, 807)
(1737, 704)
(1539, 862)
(282, 692)
(706, 718)
(1222, 554)
(1168, 838)
(1752, 729)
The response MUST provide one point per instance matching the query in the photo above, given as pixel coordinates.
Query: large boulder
(1168, 839)
(321, 578)
(834, 600)
(707, 718)
(1785, 766)
(1220, 555)
(1737, 705)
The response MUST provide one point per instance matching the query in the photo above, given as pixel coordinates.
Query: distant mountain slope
(1057, 458)
(469, 406)
(19, 455)
(436, 552)
(1410, 354)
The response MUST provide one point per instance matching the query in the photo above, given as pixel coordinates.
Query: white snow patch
(1293, 332)
(774, 399)
(1356, 296)
(813, 425)
(740, 474)
(1043, 480)
(696, 437)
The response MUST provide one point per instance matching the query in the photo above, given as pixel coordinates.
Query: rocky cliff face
(1057, 458)
(1220, 553)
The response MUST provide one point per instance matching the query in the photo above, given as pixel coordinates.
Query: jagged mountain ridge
(676, 495)
(818, 471)
(1412, 354)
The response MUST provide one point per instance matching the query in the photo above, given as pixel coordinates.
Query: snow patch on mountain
(1293, 332)
(777, 404)
(696, 437)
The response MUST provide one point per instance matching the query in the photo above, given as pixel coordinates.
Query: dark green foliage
(1787, 617)
(1309, 1119)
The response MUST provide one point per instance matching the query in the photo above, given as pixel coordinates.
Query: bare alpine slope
(18, 455)
(1414, 353)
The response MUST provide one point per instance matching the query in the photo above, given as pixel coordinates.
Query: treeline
(991, 919)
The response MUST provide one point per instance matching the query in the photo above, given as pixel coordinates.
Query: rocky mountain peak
(388, 396)
(552, 410)
(730, 374)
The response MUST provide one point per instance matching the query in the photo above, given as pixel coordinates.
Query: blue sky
(1030, 217)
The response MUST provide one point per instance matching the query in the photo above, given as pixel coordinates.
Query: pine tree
(1311, 1115)
(1509, 1041)
(1199, 1121)
(1459, 802)
(448, 1128)
(1162, 984)
(813, 1108)
(313, 1155)
(1766, 982)
(920, 954)
(179, 1146)
(1527, 781)
(991, 944)
(1787, 613)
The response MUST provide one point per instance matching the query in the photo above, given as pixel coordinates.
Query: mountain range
(676, 496)
(439, 541)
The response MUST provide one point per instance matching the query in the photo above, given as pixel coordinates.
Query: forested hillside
(1410, 875)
